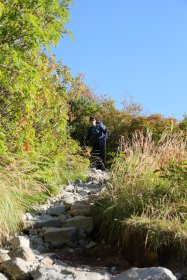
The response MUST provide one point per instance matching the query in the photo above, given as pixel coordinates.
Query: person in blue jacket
(97, 136)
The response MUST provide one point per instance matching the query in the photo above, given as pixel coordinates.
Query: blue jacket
(97, 134)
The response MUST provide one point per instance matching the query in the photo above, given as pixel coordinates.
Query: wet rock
(20, 241)
(152, 273)
(16, 268)
(60, 236)
(83, 223)
(24, 253)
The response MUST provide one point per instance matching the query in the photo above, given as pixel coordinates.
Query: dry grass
(17, 184)
(147, 194)
(30, 178)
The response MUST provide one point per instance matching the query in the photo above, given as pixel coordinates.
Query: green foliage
(176, 173)
(183, 124)
(36, 149)
(81, 107)
(26, 75)
(120, 123)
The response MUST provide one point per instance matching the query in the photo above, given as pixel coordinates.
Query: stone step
(58, 237)
(40, 222)
(85, 224)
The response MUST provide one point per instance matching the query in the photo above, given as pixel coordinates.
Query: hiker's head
(93, 120)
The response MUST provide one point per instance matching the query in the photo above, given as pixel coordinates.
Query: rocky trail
(58, 242)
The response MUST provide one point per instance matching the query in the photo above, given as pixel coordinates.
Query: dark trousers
(98, 155)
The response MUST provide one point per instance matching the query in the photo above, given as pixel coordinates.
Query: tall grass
(16, 183)
(29, 179)
(146, 198)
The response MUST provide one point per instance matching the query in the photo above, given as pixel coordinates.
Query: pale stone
(20, 241)
(48, 273)
(29, 216)
(69, 198)
(47, 261)
(4, 251)
(24, 253)
(16, 268)
(67, 273)
(152, 273)
(2, 277)
(4, 257)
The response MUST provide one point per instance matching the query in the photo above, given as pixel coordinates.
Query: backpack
(103, 127)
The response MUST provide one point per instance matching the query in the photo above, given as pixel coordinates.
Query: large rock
(48, 273)
(47, 261)
(24, 253)
(99, 176)
(80, 209)
(16, 268)
(4, 257)
(70, 198)
(60, 236)
(57, 210)
(67, 273)
(40, 222)
(37, 243)
(20, 241)
(2, 277)
(83, 223)
(151, 273)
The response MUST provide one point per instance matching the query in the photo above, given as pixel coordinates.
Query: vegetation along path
(58, 242)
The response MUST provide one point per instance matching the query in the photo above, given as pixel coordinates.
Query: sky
(132, 48)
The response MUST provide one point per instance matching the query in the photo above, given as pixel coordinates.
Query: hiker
(97, 136)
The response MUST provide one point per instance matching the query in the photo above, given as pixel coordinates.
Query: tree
(27, 28)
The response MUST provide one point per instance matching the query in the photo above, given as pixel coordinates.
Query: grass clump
(27, 179)
(145, 201)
